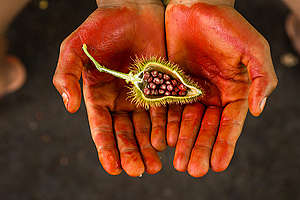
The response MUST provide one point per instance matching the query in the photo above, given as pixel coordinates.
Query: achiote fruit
(155, 82)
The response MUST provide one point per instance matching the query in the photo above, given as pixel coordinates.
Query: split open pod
(155, 82)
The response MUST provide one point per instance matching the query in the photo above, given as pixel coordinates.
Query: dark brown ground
(46, 153)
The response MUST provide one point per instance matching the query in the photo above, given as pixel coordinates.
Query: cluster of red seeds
(161, 84)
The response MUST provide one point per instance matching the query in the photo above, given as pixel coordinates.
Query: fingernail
(262, 104)
(65, 99)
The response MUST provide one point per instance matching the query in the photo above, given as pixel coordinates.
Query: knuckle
(142, 131)
(54, 80)
(265, 43)
(229, 122)
(274, 83)
(199, 147)
(105, 129)
(146, 147)
(63, 44)
(225, 143)
(129, 150)
(207, 125)
(185, 139)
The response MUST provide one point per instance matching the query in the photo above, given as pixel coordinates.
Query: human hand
(12, 71)
(115, 33)
(231, 61)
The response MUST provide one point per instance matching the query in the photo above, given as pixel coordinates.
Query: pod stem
(127, 77)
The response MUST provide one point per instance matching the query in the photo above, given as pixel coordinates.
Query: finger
(264, 80)
(102, 133)
(190, 123)
(131, 159)
(68, 73)
(173, 125)
(142, 125)
(199, 162)
(231, 125)
(158, 121)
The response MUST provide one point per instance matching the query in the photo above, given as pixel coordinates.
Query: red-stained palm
(114, 37)
(232, 62)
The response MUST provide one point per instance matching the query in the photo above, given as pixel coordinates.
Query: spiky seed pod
(172, 76)
(155, 82)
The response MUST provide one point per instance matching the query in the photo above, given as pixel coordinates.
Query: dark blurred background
(46, 153)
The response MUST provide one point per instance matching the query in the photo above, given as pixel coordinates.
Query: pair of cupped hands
(209, 40)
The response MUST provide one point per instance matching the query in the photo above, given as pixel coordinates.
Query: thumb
(68, 73)
(263, 79)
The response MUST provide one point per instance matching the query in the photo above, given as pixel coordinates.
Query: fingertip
(158, 144)
(72, 105)
(179, 163)
(69, 90)
(172, 134)
(137, 171)
(173, 124)
(197, 171)
(158, 132)
(219, 167)
(132, 164)
(153, 168)
(158, 140)
(199, 162)
(220, 159)
(115, 172)
(171, 142)
(110, 162)
(257, 107)
(152, 162)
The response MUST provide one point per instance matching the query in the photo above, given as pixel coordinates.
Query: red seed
(174, 93)
(170, 87)
(154, 73)
(168, 82)
(146, 75)
(182, 87)
(152, 86)
(150, 80)
(156, 81)
(162, 81)
(167, 93)
(174, 82)
(161, 91)
(147, 91)
(160, 75)
(182, 93)
(166, 77)
(163, 87)
(155, 92)
(176, 89)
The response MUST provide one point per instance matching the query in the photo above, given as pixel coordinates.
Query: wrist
(212, 2)
(116, 3)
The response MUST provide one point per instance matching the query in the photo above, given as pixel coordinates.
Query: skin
(12, 71)
(232, 63)
(115, 33)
